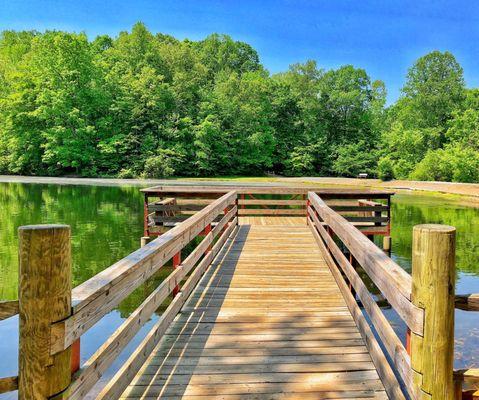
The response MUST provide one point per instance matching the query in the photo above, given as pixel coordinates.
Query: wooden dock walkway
(270, 297)
(267, 321)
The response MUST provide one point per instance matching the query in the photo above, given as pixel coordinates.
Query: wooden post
(433, 273)
(205, 232)
(307, 207)
(144, 241)
(225, 211)
(176, 264)
(146, 228)
(44, 298)
(387, 245)
(75, 359)
(352, 261)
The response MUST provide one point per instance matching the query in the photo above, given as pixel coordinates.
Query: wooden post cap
(43, 226)
(432, 228)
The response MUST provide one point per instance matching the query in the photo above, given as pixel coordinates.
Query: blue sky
(384, 37)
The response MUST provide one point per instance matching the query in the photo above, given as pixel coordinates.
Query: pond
(106, 224)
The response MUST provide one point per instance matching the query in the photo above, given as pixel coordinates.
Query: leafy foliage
(150, 105)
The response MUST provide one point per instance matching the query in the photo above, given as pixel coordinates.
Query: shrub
(165, 164)
(385, 169)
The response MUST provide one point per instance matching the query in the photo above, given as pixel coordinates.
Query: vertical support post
(205, 232)
(242, 198)
(352, 261)
(433, 275)
(144, 241)
(308, 203)
(408, 340)
(225, 211)
(146, 230)
(377, 214)
(176, 264)
(75, 360)
(389, 217)
(387, 245)
(44, 298)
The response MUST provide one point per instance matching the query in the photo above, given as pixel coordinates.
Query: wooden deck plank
(267, 321)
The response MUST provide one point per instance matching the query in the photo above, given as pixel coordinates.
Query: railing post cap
(42, 227)
(434, 228)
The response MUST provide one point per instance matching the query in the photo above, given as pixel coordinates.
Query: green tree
(53, 113)
(434, 89)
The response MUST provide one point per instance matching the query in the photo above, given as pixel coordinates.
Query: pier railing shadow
(170, 370)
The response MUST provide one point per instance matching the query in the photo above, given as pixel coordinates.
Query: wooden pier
(272, 303)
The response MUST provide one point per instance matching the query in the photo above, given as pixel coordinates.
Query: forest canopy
(149, 105)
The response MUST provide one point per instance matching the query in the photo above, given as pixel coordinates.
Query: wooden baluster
(408, 340)
(205, 232)
(176, 264)
(308, 203)
(433, 273)
(352, 261)
(75, 359)
(387, 245)
(146, 228)
(225, 211)
(44, 298)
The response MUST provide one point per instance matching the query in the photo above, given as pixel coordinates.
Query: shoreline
(443, 188)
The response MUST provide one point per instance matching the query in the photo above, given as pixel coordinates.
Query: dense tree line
(150, 105)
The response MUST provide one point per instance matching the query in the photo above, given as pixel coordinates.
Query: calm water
(106, 225)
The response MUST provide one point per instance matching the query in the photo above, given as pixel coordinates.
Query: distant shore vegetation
(149, 105)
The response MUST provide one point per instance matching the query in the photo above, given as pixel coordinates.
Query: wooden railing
(467, 380)
(166, 206)
(425, 302)
(53, 317)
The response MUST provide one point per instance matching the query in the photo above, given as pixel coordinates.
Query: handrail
(168, 245)
(424, 301)
(390, 278)
(107, 353)
(8, 384)
(129, 369)
(467, 302)
(255, 201)
(396, 350)
(8, 309)
(101, 293)
(471, 378)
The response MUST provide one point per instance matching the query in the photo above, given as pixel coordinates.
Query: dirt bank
(463, 189)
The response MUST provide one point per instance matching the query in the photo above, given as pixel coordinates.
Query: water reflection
(409, 210)
(106, 225)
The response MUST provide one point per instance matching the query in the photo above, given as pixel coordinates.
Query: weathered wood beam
(467, 302)
(100, 294)
(393, 282)
(8, 309)
(390, 340)
(384, 370)
(8, 384)
(123, 377)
